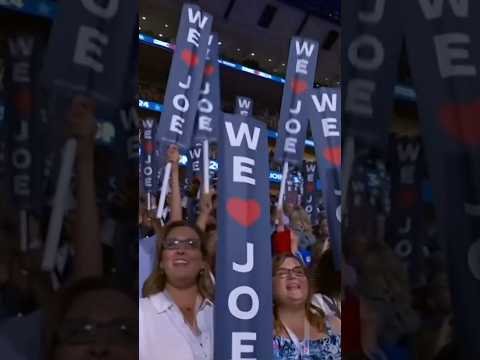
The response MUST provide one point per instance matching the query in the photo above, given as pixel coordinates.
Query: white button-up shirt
(164, 334)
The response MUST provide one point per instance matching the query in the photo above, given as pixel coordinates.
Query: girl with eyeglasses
(176, 313)
(301, 331)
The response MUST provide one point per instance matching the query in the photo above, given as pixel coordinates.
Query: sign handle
(163, 191)
(282, 185)
(149, 201)
(58, 206)
(23, 230)
(206, 166)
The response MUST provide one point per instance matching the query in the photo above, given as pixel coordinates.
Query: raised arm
(206, 207)
(176, 203)
(86, 237)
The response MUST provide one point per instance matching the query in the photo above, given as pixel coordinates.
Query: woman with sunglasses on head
(300, 330)
(176, 315)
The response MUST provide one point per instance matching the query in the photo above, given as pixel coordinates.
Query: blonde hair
(157, 281)
(300, 218)
(315, 315)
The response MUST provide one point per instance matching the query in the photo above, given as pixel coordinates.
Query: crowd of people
(383, 316)
(177, 277)
(392, 312)
(86, 307)
(151, 91)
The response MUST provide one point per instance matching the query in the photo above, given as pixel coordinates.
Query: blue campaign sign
(185, 79)
(147, 156)
(209, 104)
(447, 77)
(89, 49)
(325, 123)
(243, 106)
(23, 118)
(310, 199)
(293, 122)
(243, 308)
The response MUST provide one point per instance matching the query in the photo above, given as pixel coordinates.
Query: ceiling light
(283, 64)
(166, 25)
(161, 35)
(144, 18)
(219, 43)
(253, 54)
(269, 60)
(238, 49)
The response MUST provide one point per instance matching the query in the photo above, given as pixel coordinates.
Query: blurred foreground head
(92, 320)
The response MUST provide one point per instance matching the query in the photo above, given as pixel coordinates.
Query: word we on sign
(243, 106)
(243, 315)
(325, 123)
(293, 122)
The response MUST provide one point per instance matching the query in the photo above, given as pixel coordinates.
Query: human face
(182, 263)
(101, 324)
(290, 284)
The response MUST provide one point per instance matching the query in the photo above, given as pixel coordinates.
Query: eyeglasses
(85, 331)
(175, 244)
(297, 271)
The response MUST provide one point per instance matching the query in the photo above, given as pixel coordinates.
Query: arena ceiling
(258, 30)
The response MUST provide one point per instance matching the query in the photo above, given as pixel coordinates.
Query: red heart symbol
(148, 147)
(333, 155)
(407, 198)
(23, 101)
(190, 58)
(311, 187)
(299, 86)
(244, 212)
(209, 70)
(462, 121)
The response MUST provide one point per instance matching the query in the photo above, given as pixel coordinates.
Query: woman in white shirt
(176, 315)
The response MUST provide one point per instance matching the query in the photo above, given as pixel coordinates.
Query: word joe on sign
(209, 101)
(88, 48)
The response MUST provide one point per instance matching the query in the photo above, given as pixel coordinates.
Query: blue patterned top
(328, 348)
